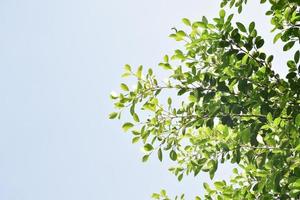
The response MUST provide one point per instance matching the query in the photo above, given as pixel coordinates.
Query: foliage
(234, 107)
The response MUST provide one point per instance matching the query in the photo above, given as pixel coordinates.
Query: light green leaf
(186, 21)
(245, 59)
(124, 87)
(126, 74)
(206, 187)
(127, 68)
(155, 196)
(166, 58)
(113, 115)
(297, 148)
(145, 158)
(135, 139)
(126, 126)
(269, 117)
(166, 66)
(169, 101)
(219, 184)
(135, 117)
(139, 71)
(148, 147)
(297, 120)
(277, 36)
(222, 13)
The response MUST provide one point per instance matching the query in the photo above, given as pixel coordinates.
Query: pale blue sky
(59, 60)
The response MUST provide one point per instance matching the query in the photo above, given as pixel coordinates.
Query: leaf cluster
(230, 106)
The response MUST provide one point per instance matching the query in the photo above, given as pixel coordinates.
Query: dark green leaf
(159, 154)
(259, 43)
(245, 135)
(251, 27)
(241, 27)
(288, 45)
(297, 56)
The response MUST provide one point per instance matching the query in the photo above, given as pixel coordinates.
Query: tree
(235, 107)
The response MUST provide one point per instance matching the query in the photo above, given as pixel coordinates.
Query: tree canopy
(230, 105)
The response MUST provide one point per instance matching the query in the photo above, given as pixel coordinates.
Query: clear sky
(59, 60)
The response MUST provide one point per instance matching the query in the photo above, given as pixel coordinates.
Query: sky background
(59, 61)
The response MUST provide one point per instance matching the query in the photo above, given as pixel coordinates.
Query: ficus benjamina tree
(229, 105)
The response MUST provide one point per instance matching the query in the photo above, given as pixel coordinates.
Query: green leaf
(243, 85)
(135, 117)
(204, 20)
(219, 185)
(125, 75)
(206, 187)
(127, 68)
(259, 43)
(297, 56)
(139, 71)
(241, 27)
(288, 45)
(145, 158)
(173, 155)
(166, 58)
(251, 27)
(159, 154)
(135, 139)
(270, 58)
(113, 115)
(124, 87)
(240, 8)
(297, 148)
(180, 177)
(277, 36)
(296, 184)
(166, 66)
(245, 135)
(245, 59)
(213, 169)
(126, 126)
(222, 13)
(148, 147)
(186, 21)
(155, 196)
(297, 120)
(169, 101)
(269, 117)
